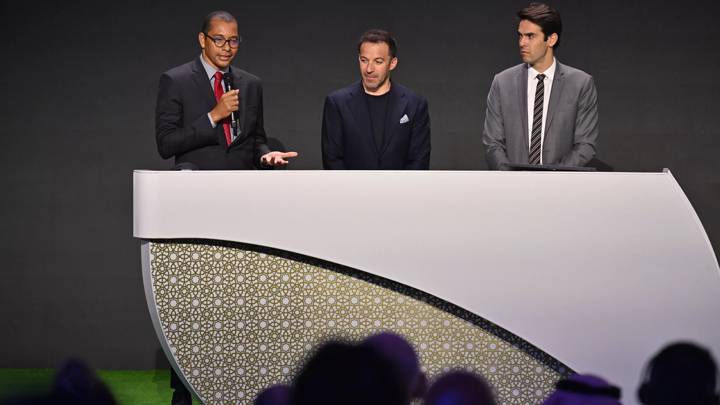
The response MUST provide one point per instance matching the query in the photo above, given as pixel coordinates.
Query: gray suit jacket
(571, 125)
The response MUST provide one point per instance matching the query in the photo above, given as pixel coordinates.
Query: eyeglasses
(220, 41)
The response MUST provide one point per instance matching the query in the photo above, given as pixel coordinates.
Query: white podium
(522, 276)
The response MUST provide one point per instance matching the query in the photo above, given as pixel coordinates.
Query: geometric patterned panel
(238, 318)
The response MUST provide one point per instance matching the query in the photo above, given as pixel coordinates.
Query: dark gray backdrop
(78, 88)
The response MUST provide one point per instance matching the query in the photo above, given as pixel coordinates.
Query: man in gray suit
(541, 111)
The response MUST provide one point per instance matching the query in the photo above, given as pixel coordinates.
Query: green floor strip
(24, 382)
(128, 386)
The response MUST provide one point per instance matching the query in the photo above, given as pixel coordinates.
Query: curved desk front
(521, 276)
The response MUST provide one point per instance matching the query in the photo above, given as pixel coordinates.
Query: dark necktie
(535, 141)
(218, 93)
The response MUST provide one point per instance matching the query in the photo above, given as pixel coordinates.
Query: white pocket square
(404, 119)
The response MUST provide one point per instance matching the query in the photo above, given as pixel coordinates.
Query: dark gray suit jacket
(182, 127)
(571, 125)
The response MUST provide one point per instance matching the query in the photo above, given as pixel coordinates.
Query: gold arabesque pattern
(238, 320)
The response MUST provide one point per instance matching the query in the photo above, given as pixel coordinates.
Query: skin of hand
(227, 104)
(276, 158)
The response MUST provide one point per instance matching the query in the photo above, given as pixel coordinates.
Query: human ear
(552, 39)
(393, 63)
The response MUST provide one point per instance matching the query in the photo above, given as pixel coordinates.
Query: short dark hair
(681, 372)
(376, 36)
(546, 17)
(216, 15)
(344, 373)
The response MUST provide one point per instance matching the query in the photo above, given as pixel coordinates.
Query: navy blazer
(347, 136)
(183, 129)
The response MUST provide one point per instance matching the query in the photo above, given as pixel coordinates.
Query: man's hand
(228, 103)
(277, 158)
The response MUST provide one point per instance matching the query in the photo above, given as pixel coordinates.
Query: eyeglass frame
(224, 40)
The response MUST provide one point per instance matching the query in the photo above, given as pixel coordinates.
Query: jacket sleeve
(174, 136)
(586, 128)
(260, 140)
(332, 137)
(494, 130)
(419, 149)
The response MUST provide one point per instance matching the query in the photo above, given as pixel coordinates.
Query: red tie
(218, 93)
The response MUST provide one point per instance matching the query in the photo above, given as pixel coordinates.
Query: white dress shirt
(531, 87)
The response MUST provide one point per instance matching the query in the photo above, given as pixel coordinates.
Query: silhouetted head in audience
(402, 354)
(340, 373)
(275, 395)
(75, 384)
(584, 389)
(681, 373)
(460, 388)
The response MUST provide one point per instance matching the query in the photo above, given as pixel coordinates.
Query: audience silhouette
(681, 373)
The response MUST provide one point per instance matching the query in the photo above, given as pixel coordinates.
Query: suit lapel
(203, 83)
(396, 105)
(555, 96)
(241, 84)
(522, 83)
(207, 93)
(360, 112)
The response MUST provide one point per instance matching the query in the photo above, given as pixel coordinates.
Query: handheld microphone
(228, 80)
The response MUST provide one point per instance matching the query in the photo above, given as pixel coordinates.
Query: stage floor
(141, 387)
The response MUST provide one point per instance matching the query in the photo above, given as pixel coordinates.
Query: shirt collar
(209, 69)
(549, 72)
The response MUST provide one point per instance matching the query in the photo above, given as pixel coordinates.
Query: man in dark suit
(194, 114)
(541, 111)
(195, 110)
(376, 124)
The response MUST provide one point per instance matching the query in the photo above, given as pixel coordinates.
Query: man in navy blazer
(376, 124)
